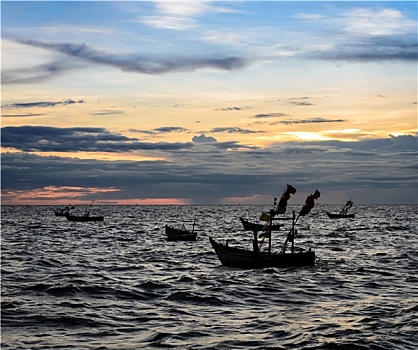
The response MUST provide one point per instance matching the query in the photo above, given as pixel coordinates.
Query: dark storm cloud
(51, 139)
(42, 104)
(139, 63)
(310, 121)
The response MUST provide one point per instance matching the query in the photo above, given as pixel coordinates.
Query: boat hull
(174, 234)
(340, 216)
(242, 258)
(84, 218)
(251, 226)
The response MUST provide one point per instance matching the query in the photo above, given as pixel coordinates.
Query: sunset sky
(207, 102)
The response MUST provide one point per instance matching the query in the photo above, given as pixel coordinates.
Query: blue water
(119, 284)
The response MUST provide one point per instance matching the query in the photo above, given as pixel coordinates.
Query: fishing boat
(84, 217)
(182, 234)
(256, 258)
(242, 258)
(343, 214)
(251, 226)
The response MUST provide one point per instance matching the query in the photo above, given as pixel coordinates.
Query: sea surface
(119, 284)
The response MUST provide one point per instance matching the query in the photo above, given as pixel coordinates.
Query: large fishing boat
(286, 257)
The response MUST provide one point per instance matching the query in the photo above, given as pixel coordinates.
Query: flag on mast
(281, 208)
(309, 203)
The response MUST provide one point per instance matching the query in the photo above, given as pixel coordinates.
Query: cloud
(234, 130)
(42, 104)
(364, 35)
(204, 139)
(108, 112)
(162, 130)
(232, 108)
(212, 172)
(311, 121)
(86, 139)
(371, 49)
(382, 146)
(308, 16)
(384, 22)
(372, 35)
(138, 63)
(170, 129)
(301, 101)
(169, 22)
(177, 15)
(271, 115)
(21, 115)
(38, 73)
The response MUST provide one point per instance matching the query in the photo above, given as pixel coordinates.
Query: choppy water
(120, 285)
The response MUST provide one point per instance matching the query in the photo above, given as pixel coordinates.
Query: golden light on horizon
(308, 136)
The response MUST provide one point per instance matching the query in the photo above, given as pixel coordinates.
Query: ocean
(119, 284)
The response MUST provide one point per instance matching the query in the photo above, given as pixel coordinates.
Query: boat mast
(255, 242)
(291, 235)
(270, 225)
(293, 232)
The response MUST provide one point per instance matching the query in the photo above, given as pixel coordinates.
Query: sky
(168, 102)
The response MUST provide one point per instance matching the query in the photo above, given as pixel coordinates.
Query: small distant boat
(255, 258)
(343, 214)
(251, 226)
(175, 234)
(340, 216)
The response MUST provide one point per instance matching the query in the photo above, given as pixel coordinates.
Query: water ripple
(120, 285)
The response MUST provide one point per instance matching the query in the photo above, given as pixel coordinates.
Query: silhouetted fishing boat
(237, 257)
(340, 216)
(343, 214)
(175, 234)
(251, 226)
(255, 258)
(84, 217)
